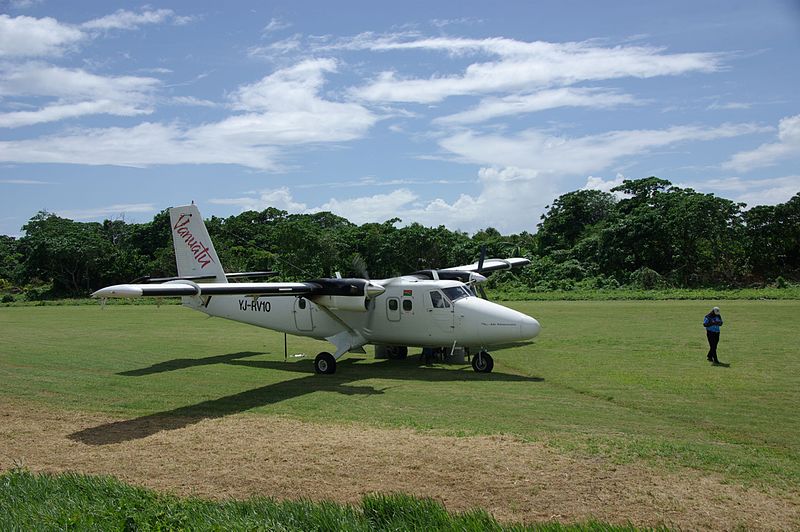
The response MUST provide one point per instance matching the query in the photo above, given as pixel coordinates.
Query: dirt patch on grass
(245, 455)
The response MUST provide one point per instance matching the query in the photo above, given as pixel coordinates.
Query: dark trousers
(713, 340)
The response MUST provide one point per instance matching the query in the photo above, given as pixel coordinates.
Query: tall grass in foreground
(78, 502)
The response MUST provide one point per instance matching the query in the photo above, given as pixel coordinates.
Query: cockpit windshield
(456, 292)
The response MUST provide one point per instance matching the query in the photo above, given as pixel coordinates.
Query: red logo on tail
(200, 251)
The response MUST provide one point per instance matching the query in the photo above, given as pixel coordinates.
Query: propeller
(359, 266)
(480, 272)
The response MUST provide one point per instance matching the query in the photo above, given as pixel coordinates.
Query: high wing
(185, 287)
(179, 288)
(472, 273)
(491, 265)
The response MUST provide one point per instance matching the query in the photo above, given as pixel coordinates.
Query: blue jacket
(712, 322)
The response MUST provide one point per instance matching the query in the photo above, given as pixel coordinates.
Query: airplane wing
(491, 265)
(189, 288)
(335, 288)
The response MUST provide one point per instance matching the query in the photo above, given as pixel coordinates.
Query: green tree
(68, 253)
(571, 216)
(10, 259)
(773, 240)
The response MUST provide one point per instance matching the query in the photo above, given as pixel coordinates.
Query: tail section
(194, 251)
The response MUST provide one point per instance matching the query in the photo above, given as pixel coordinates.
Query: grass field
(79, 502)
(623, 380)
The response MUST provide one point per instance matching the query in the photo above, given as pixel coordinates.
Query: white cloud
(543, 154)
(716, 106)
(76, 93)
(516, 104)
(35, 37)
(128, 20)
(753, 191)
(39, 79)
(788, 146)
(111, 211)
(53, 113)
(509, 199)
(519, 65)
(375, 208)
(284, 46)
(143, 145)
(280, 198)
(191, 101)
(276, 24)
(283, 109)
(362, 209)
(603, 185)
(25, 182)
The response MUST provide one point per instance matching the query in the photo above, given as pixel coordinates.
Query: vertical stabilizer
(194, 251)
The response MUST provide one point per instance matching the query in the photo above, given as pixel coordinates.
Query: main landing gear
(325, 363)
(483, 362)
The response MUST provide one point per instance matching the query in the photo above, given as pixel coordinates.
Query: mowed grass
(625, 380)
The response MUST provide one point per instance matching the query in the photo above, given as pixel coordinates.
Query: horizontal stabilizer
(235, 275)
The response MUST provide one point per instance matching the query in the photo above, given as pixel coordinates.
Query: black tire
(483, 362)
(398, 352)
(325, 364)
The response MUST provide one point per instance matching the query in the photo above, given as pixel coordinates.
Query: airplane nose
(529, 328)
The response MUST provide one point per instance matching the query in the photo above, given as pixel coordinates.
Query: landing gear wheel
(483, 362)
(325, 363)
(398, 352)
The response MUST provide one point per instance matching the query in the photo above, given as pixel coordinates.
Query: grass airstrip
(624, 383)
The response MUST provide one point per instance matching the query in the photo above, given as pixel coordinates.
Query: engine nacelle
(346, 294)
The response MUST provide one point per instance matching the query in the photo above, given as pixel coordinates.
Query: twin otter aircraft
(429, 308)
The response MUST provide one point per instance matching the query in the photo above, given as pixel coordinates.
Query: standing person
(712, 322)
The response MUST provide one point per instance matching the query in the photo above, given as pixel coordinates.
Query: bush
(7, 298)
(38, 292)
(647, 279)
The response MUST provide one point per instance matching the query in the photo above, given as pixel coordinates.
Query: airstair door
(302, 315)
(393, 309)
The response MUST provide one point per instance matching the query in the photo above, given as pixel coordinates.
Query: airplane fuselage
(411, 312)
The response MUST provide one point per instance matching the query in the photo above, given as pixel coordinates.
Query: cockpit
(454, 293)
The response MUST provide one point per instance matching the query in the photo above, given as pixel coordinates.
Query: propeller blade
(482, 258)
(360, 266)
(482, 291)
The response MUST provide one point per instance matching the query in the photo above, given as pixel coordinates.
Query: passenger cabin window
(407, 305)
(392, 304)
(301, 304)
(438, 300)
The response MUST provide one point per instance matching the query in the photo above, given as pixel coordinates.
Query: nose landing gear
(483, 362)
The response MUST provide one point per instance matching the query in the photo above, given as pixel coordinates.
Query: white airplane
(430, 308)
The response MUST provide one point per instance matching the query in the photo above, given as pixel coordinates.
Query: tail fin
(194, 251)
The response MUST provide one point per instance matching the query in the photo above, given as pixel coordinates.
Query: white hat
(715, 309)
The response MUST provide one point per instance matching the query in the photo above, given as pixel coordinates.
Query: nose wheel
(483, 362)
(325, 364)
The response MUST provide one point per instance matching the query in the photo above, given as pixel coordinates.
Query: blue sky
(467, 114)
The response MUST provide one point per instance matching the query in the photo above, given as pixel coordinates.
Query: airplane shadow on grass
(349, 371)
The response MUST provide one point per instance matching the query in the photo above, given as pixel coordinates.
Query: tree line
(645, 233)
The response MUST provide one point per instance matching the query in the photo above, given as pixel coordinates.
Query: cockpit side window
(438, 300)
(456, 292)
